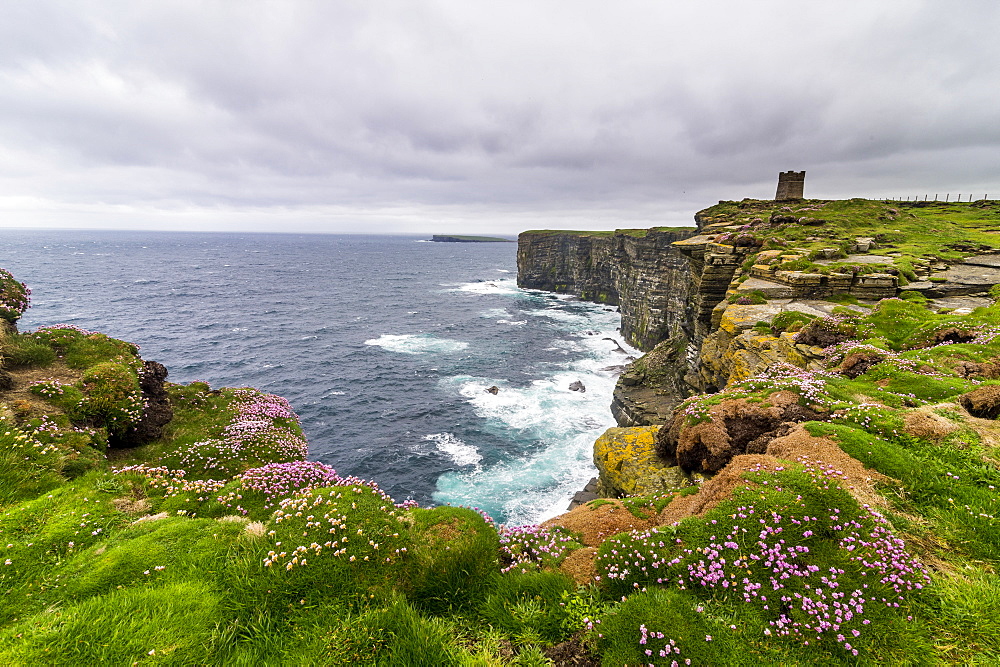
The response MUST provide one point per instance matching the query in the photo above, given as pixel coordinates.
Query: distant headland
(448, 238)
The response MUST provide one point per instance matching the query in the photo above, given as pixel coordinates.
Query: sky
(466, 116)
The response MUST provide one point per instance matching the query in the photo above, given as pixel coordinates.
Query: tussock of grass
(23, 351)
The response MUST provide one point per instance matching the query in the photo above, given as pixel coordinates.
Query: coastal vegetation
(840, 509)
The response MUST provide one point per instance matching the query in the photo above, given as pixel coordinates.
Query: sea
(384, 345)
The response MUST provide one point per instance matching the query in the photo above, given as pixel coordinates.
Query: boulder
(589, 492)
(576, 385)
(628, 464)
(493, 390)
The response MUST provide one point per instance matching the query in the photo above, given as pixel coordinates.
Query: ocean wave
(526, 489)
(498, 286)
(553, 429)
(565, 317)
(458, 451)
(417, 344)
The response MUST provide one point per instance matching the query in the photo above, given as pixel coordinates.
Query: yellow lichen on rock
(629, 466)
(737, 318)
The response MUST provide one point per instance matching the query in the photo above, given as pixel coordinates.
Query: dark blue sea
(385, 346)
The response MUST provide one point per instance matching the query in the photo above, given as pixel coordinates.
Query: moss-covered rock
(15, 297)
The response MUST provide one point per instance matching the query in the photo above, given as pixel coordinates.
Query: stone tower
(790, 185)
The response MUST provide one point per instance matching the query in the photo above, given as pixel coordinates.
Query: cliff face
(643, 274)
(666, 282)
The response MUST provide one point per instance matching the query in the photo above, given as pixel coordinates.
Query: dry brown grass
(596, 524)
(23, 378)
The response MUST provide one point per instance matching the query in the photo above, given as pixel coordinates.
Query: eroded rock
(736, 426)
(983, 402)
(856, 364)
(157, 411)
(649, 388)
(824, 332)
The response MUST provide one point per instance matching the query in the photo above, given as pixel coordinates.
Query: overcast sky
(471, 116)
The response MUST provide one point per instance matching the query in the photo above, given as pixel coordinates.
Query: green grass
(173, 624)
(637, 233)
(28, 467)
(952, 487)
(918, 233)
(453, 559)
(23, 351)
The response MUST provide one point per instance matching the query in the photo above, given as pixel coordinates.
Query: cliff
(638, 271)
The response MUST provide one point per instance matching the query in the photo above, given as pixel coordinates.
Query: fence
(947, 198)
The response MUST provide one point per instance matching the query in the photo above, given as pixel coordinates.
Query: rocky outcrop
(731, 428)
(156, 412)
(650, 387)
(629, 465)
(757, 290)
(974, 275)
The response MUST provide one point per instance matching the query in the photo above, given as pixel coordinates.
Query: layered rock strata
(643, 274)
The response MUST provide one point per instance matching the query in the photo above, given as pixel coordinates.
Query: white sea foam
(498, 286)
(417, 344)
(459, 452)
(555, 426)
(563, 316)
(495, 313)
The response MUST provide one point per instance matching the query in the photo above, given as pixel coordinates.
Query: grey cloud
(494, 113)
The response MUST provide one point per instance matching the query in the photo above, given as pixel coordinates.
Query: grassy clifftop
(911, 234)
